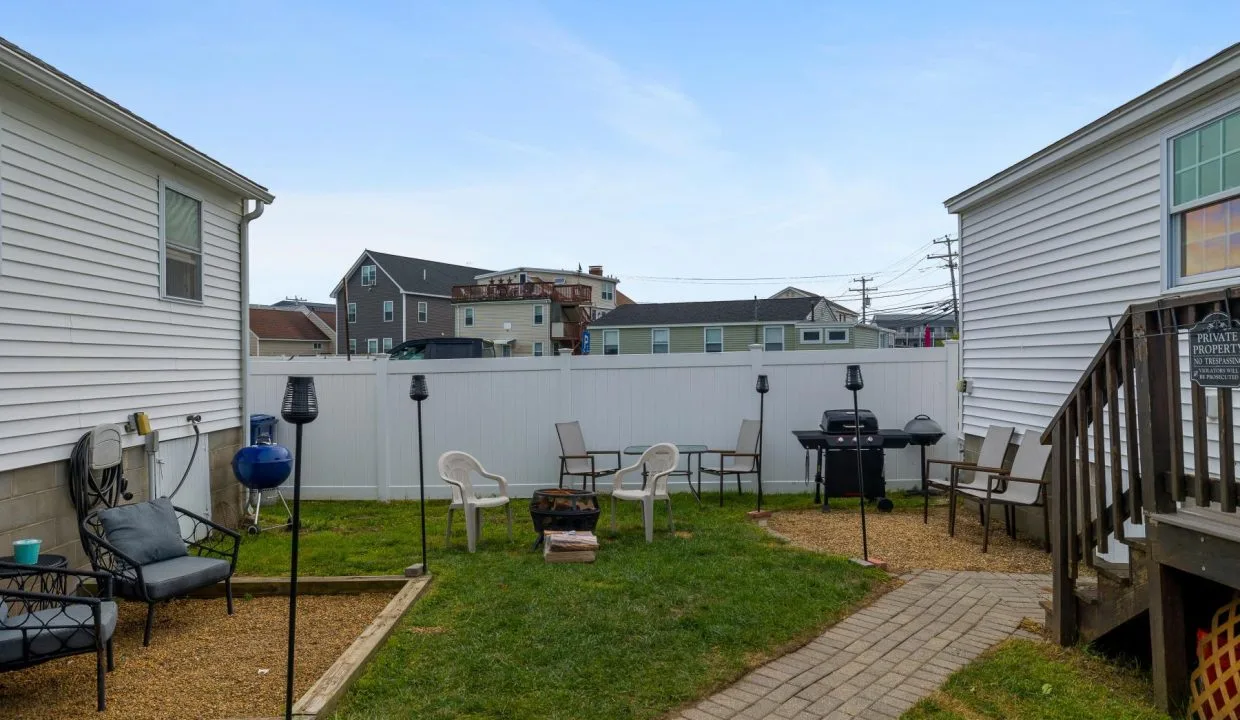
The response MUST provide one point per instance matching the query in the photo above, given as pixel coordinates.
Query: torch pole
(292, 587)
(865, 549)
(422, 487)
(761, 420)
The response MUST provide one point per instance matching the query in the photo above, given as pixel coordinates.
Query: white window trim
(374, 277)
(1169, 261)
(467, 317)
(385, 311)
(608, 292)
(822, 336)
(353, 345)
(538, 348)
(826, 336)
(617, 343)
(163, 247)
(783, 344)
(706, 338)
(350, 313)
(653, 343)
(376, 346)
(386, 345)
(424, 312)
(536, 319)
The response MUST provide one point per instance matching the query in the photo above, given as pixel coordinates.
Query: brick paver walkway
(881, 660)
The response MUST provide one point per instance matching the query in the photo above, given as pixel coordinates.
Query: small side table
(18, 577)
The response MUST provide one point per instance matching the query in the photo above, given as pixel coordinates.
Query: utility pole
(949, 259)
(865, 294)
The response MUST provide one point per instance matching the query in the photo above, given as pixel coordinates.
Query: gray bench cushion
(170, 578)
(147, 532)
(71, 627)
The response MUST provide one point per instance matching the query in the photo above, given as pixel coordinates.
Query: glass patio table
(688, 451)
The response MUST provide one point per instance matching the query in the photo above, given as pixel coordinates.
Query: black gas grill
(835, 446)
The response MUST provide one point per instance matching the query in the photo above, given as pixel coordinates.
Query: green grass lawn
(1023, 680)
(641, 631)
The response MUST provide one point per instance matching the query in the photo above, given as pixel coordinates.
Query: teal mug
(26, 551)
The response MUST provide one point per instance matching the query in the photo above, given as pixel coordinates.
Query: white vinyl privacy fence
(364, 443)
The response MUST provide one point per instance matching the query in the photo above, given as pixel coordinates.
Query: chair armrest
(617, 478)
(1007, 478)
(219, 541)
(42, 597)
(574, 457)
(730, 453)
(105, 558)
(503, 483)
(103, 581)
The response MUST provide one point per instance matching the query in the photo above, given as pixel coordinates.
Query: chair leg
(471, 528)
(509, 507)
(228, 593)
(111, 663)
(1046, 527)
(986, 523)
(613, 513)
(739, 491)
(648, 517)
(951, 503)
(150, 620)
(100, 692)
(720, 490)
(447, 536)
(671, 524)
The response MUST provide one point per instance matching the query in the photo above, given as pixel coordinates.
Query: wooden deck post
(1063, 620)
(1168, 637)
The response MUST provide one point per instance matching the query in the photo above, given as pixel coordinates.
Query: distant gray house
(788, 323)
(910, 330)
(393, 298)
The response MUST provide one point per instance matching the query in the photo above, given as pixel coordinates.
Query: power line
(949, 259)
(865, 296)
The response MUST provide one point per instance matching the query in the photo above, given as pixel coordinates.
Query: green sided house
(791, 323)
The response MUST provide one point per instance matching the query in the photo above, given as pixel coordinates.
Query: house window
(559, 280)
(538, 349)
(811, 336)
(353, 345)
(422, 311)
(660, 340)
(611, 342)
(318, 346)
(507, 351)
(389, 310)
(713, 340)
(538, 314)
(523, 278)
(469, 317)
(180, 225)
(837, 337)
(372, 346)
(352, 312)
(369, 275)
(773, 337)
(609, 291)
(387, 344)
(1205, 201)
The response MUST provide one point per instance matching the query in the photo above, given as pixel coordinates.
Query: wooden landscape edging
(348, 584)
(327, 692)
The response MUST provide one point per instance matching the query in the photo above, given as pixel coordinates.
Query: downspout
(246, 219)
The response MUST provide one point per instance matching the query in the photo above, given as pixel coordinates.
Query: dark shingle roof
(440, 277)
(705, 313)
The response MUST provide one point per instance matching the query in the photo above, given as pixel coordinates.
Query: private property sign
(1214, 351)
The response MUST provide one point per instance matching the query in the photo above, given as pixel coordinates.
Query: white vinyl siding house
(1054, 246)
(92, 325)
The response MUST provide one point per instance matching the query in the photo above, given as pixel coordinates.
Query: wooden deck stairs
(1125, 483)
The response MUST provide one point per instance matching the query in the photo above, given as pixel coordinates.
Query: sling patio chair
(989, 460)
(576, 460)
(745, 459)
(1022, 486)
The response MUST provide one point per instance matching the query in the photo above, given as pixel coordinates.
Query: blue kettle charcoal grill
(262, 468)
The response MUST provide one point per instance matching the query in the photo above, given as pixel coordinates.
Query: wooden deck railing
(564, 294)
(1134, 378)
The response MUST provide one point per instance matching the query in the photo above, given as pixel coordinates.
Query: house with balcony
(385, 299)
(911, 330)
(533, 311)
(788, 323)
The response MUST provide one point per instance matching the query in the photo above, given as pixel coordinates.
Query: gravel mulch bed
(201, 662)
(905, 543)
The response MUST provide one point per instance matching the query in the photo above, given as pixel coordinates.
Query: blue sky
(691, 138)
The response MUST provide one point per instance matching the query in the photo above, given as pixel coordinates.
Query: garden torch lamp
(300, 406)
(763, 387)
(418, 392)
(853, 382)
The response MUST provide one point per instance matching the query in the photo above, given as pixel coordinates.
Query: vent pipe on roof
(423, 273)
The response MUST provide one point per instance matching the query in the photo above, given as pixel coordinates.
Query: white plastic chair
(658, 462)
(456, 469)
